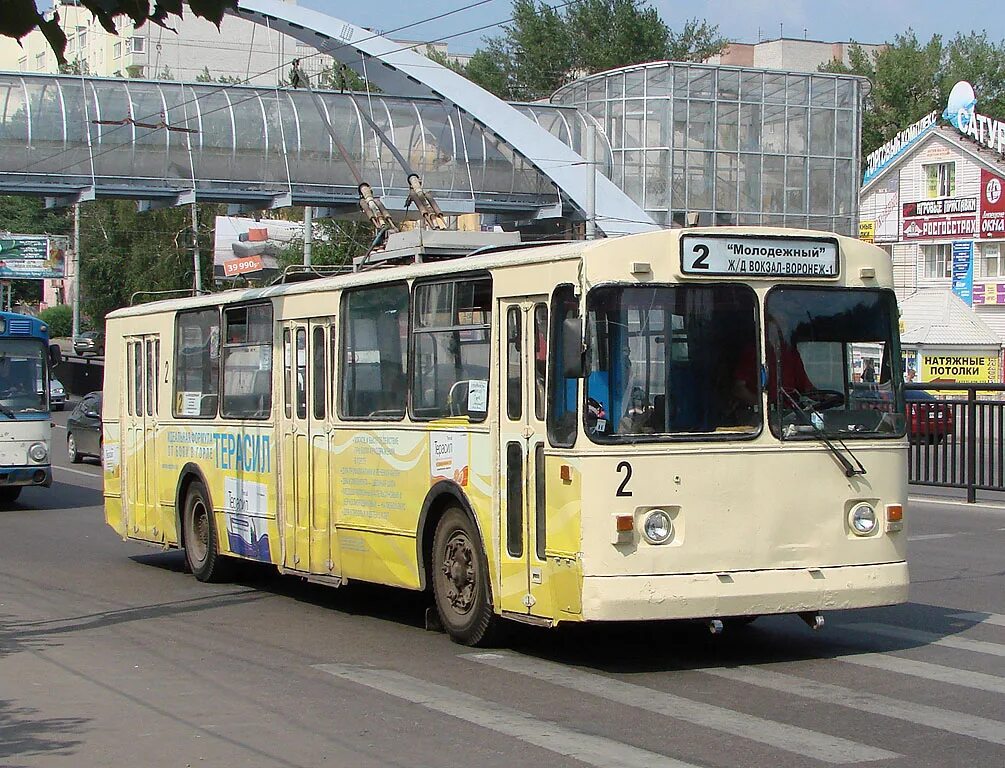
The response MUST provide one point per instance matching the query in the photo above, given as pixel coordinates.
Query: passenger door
(140, 420)
(522, 429)
(295, 480)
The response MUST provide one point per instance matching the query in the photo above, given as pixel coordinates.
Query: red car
(928, 420)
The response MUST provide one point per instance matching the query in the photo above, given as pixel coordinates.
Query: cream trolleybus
(676, 425)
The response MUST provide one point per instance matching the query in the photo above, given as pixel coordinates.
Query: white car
(57, 394)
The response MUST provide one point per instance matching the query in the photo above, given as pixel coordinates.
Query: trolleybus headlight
(38, 452)
(862, 519)
(657, 527)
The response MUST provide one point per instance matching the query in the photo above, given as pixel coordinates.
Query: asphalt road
(111, 655)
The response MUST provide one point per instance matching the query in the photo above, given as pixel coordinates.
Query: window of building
(117, 50)
(247, 362)
(81, 38)
(451, 325)
(196, 363)
(991, 259)
(40, 61)
(138, 45)
(938, 260)
(374, 353)
(22, 63)
(940, 180)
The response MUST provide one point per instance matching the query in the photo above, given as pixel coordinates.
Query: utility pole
(308, 234)
(196, 259)
(591, 181)
(75, 279)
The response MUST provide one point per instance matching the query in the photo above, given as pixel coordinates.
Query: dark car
(928, 420)
(89, 343)
(83, 429)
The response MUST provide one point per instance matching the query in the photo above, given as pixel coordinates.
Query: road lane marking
(801, 741)
(931, 536)
(95, 475)
(977, 680)
(973, 726)
(984, 618)
(928, 638)
(587, 748)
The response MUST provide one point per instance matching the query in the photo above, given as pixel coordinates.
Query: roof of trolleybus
(610, 259)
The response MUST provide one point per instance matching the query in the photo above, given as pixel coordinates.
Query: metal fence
(957, 435)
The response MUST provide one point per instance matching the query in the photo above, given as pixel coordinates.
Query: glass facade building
(733, 145)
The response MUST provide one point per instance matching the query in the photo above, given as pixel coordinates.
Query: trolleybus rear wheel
(202, 548)
(461, 580)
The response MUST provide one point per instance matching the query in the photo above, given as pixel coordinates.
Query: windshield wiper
(849, 469)
(7, 411)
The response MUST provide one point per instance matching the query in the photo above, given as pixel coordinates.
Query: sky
(866, 21)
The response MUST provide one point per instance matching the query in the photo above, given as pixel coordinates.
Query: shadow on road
(25, 735)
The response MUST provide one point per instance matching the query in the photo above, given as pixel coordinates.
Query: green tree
(543, 48)
(335, 243)
(910, 79)
(59, 319)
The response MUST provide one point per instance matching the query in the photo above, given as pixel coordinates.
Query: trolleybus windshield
(23, 380)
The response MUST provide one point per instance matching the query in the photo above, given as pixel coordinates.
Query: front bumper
(739, 593)
(38, 474)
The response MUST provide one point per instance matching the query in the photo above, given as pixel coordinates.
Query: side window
(130, 404)
(287, 373)
(151, 378)
(563, 392)
(514, 364)
(450, 343)
(540, 358)
(374, 353)
(196, 366)
(301, 384)
(247, 362)
(320, 373)
(138, 377)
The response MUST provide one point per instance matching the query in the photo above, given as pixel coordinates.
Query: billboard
(961, 369)
(33, 257)
(963, 270)
(251, 247)
(992, 204)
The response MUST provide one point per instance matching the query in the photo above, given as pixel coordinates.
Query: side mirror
(572, 348)
(55, 354)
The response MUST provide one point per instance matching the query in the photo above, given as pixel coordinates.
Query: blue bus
(25, 437)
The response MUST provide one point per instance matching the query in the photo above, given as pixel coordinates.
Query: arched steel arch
(407, 73)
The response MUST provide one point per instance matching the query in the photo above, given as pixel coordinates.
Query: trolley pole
(196, 258)
(75, 278)
(308, 234)
(591, 183)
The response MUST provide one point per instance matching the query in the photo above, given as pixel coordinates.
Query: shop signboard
(33, 257)
(961, 112)
(896, 146)
(961, 369)
(992, 204)
(963, 270)
(867, 231)
(989, 293)
(939, 227)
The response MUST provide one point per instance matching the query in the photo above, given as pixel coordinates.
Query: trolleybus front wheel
(461, 580)
(202, 547)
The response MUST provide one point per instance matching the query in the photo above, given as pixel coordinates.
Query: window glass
(247, 362)
(138, 377)
(991, 256)
(320, 372)
(514, 364)
(833, 363)
(287, 372)
(940, 180)
(563, 392)
(540, 358)
(157, 368)
(451, 346)
(374, 344)
(130, 405)
(671, 360)
(938, 260)
(301, 385)
(24, 384)
(151, 377)
(197, 357)
(514, 499)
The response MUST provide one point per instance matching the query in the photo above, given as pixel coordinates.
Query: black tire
(9, 494)
(199, 535)
(72, 453)
(461, 581)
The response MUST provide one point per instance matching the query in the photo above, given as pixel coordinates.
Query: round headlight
(657, 527)
(38, 452)
(862, 519)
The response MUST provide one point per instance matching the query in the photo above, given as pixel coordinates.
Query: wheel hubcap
(459, 572)
(199, 539)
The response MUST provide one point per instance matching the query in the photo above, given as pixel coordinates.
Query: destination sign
(758, 256)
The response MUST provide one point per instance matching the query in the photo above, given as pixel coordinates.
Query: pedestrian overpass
(71, 138)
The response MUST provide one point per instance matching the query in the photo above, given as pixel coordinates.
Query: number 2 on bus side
(701, 256)
(623, 488)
